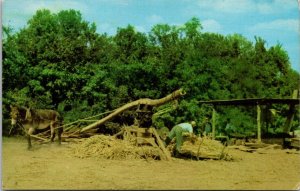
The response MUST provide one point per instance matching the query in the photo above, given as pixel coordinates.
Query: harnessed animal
(33, 120)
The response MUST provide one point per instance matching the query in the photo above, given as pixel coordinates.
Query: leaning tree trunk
(146, 101)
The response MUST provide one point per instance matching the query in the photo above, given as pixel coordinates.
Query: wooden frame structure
(143, 136)
(292, 102)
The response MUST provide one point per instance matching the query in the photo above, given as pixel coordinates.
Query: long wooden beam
(146, 101)
(254, 101)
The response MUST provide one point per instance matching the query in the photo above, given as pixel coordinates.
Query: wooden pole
(214, 123)
(258, 124)
(145, 101)
(161, 145)
(37, 137)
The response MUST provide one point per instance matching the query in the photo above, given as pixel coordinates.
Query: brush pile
(109, 147)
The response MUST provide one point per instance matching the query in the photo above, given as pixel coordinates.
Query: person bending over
(178, 131)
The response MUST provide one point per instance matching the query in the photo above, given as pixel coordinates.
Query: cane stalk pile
(109, 147)
(203, 147)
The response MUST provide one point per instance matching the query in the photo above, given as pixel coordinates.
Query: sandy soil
(50, 166)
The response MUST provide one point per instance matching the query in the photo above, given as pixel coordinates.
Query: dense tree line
(59, 61)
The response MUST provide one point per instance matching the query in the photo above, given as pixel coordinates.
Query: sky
(276, 21)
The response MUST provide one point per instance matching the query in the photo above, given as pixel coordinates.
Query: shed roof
(252, 101)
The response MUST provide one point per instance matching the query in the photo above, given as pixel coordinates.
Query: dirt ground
(49, 166)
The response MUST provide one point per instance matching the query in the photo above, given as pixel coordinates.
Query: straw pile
(109, 147)
(203, 147)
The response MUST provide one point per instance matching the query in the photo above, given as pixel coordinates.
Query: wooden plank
(161, 144)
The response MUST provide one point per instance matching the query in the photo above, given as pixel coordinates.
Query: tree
(60, 61)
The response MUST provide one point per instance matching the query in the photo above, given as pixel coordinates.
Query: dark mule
(34, 120)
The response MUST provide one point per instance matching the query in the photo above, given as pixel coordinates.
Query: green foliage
(245, 122)
(59, 61)
(77, 110)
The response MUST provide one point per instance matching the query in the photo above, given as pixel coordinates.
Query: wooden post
(214, 123)
(161, 144)
(290, 117)
(258, 124)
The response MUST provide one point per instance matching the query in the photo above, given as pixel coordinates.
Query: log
(146, 101)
